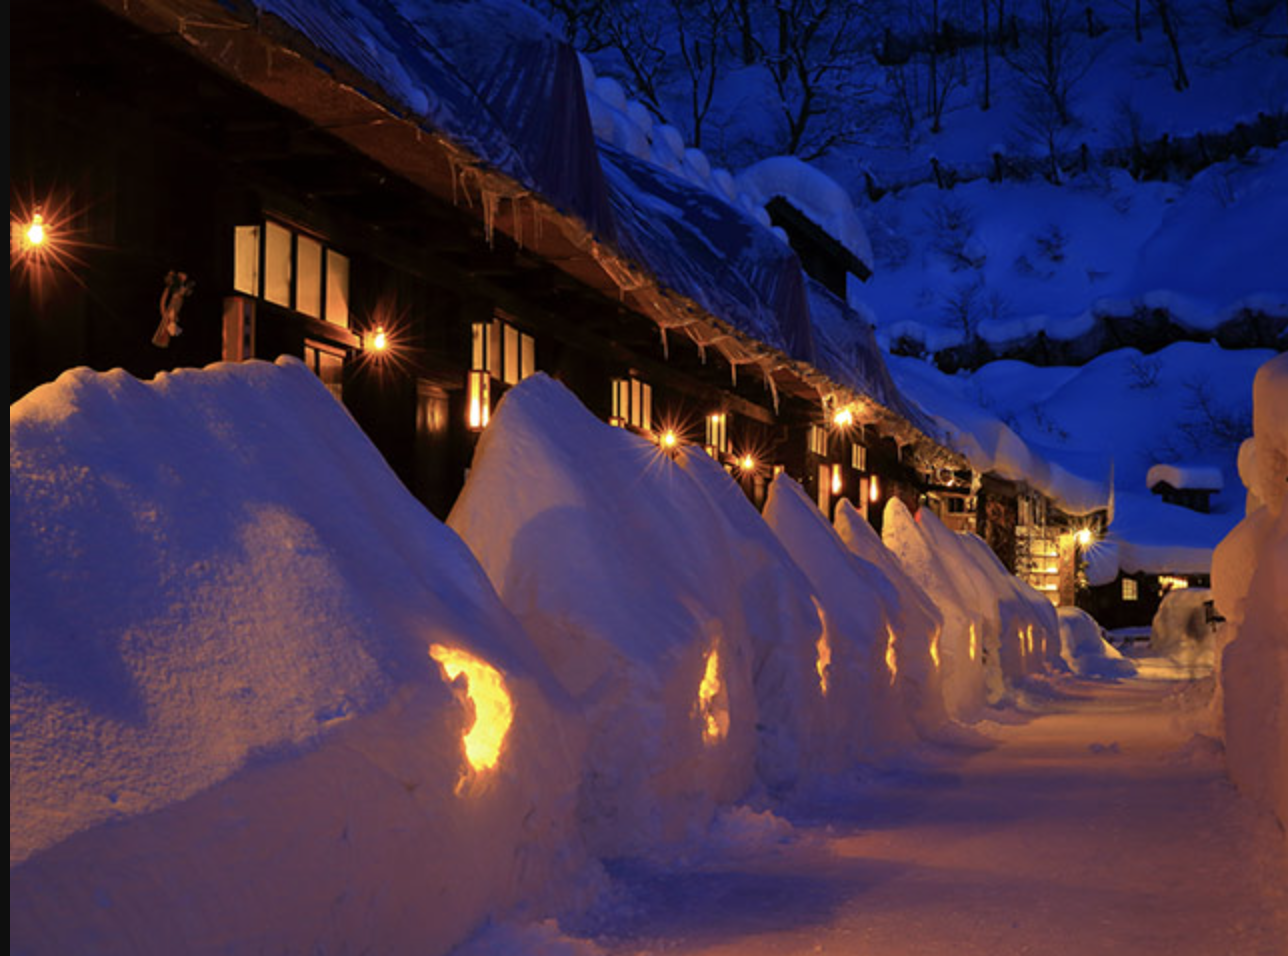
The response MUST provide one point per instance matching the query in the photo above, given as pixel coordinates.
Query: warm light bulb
(670, 439)
(1083, 537)
(843, 418)
(874, 490)
(748, 463)
(36, 231)
(381, 340)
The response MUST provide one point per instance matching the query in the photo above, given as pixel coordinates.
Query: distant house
(1188, 486)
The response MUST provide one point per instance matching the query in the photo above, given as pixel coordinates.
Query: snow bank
(997, 629)
(1085, 650)
(1180, 629)
(1250, 584)
(870, 710)
(226, 729)
(662, 603)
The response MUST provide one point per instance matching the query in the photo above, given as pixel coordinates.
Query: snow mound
(662, 602)
(860, 610)
(1085, 650)
(1180, 629)
(997, 629)
(1250, 584)
(226, 728)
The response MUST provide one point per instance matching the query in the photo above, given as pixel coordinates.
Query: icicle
(516, 210)
(490, 201)
(768, 372)
(733, 374)
(666, 349)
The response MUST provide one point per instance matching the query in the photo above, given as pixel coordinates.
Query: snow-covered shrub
(1250, 584)
(1084, 648)
(663, 603)
(1180, 629)
(228, 730)
(952, 224)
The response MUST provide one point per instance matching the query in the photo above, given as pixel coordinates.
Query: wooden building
(219, 182)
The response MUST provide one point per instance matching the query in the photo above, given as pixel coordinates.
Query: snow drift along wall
(687, 638)
(997, 629)
(227, 731)
(1250, 584)
(877, 666)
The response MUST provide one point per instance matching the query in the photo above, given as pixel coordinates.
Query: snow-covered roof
(490, 75)
(710, 252)
(853, 357)
(1195, 477)
(491, 89)
(817, 196)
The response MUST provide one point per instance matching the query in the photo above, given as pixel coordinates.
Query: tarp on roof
(491, 75)
(709, 251)
(858, 363)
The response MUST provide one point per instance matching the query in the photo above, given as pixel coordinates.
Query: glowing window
(337, 289)
(1131, 589)
(858, 457)
(292, 270)
(308, 273)
(718, 432)
(502, 350)
(246, 259)
(632, 404)
(277, 264)
(818, 441)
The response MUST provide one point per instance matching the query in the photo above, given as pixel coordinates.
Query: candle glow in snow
(823, 648)
(493, 711)
(711, 704)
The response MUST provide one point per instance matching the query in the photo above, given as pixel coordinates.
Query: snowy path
(1096, 827)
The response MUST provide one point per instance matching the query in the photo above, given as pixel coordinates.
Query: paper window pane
(529, 362)
(277, 264)
(337, 289)
(308, 272)
(511, 355)
(246, 260)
